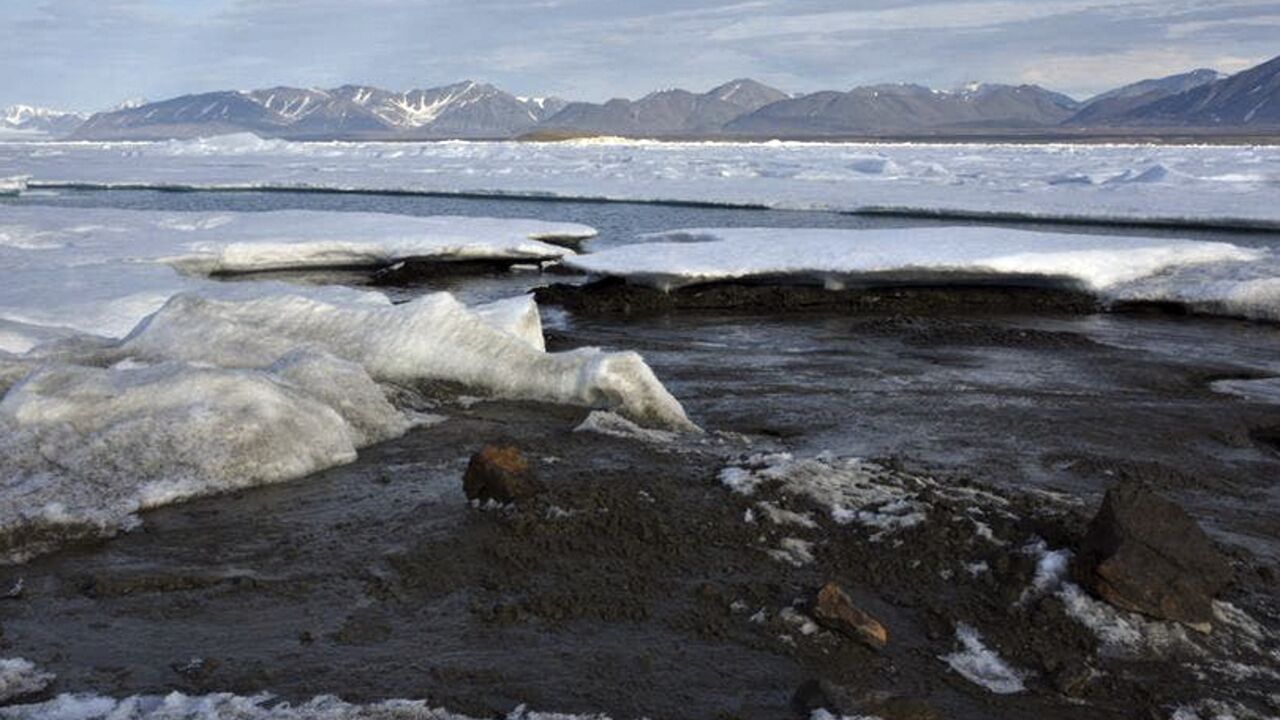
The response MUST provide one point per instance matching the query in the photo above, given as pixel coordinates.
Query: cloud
(89, 54)
(1102, 72)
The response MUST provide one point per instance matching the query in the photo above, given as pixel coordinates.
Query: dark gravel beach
(635, 585)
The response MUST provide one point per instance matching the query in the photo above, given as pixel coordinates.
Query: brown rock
(1144, 553)
(501, 473)
(834, 609)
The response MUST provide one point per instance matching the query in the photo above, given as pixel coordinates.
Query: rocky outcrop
(1144, 553)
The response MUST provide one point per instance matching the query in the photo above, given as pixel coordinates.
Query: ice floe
(100, 271)
(13, 185)
(837, 257)
(1212, 277)
(208, 395)
(129, 384)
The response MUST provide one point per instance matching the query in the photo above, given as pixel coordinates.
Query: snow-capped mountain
(887, 109)
(40, 120)
(462, 110)
(1201, 99)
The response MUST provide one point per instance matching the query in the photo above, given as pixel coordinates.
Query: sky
(92, 54)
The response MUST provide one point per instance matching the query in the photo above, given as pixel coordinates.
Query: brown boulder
(834, 609)
(500, 473)
(1144, 553)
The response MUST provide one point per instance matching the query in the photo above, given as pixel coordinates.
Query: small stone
(500, 473)
(1073, 679)
(1145, 554)
(836, 610)
(196, 669)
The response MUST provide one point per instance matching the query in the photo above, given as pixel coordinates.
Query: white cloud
(596, 49)
(1092, 74)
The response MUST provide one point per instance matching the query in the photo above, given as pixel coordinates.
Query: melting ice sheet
(1207, 185)
(128, 385)
(100, 271)
(1211, 276)
(209, 395)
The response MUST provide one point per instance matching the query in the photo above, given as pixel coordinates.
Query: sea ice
(13, 185)
(208, 395)
(1211, 277)
(836, 257)
(1195, 185)
(128, 384)
(100, 271)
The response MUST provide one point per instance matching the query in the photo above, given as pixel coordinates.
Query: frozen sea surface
(1223, 186)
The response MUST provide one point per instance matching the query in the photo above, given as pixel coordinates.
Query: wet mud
(637, 584)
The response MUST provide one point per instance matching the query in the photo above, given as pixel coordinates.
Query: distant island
(1201, 104)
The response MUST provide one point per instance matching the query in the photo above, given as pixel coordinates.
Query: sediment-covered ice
(1207, 185)
(1212, 277)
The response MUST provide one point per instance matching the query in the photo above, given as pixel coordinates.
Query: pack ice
(100, 271)
(1211, 276)
(235, 385)
(1170, 185)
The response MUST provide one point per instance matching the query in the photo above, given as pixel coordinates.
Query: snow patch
(220, 706)
(981, 666)
(853, 490)
(19, 677)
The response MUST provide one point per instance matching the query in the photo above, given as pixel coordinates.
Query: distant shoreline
(1179, 137)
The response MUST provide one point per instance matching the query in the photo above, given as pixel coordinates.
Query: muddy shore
(636, 586)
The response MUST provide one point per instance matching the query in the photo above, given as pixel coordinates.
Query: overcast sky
(91, 54)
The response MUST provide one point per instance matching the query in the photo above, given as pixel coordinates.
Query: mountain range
(40, 120)
(1200, 100)
(465, 109)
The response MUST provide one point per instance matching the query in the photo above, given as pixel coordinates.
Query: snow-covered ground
(1214, 277)
(1211, 185)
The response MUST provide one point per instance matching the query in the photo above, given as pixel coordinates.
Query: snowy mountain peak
(39, 119)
